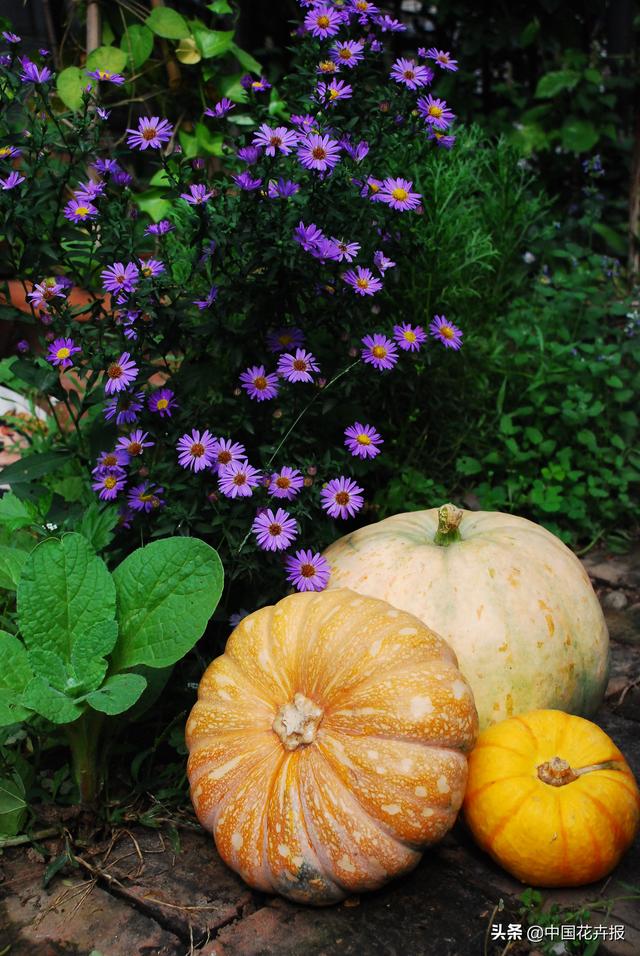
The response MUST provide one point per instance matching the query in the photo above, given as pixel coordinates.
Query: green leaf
(553, 83)
(64, 589)
(137, 43)
(48, 664)
(614, 239)
(89, 652)
(51, 703)
(167, 23)
(530, 32)
(578, 135)
(468, 466)
(212, 43)
(153, 203)
(97, 525)
(16, 513)
(209, 142)
(189, 144)
(166, 593)
(245, 59)
(231, 87)
(117, 694)
(13, 806)
(34, 466)
(220, 6)
(15, 675)
(11, 562)
(110, 58)
(70, 84)
(534, 435)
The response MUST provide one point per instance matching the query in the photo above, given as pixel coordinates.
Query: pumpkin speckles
(328, 768)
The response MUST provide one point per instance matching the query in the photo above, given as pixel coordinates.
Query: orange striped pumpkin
(551, 798)
(328, 745)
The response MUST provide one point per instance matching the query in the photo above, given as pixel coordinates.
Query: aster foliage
(232, 351)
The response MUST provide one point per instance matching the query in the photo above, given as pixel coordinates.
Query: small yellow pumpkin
(328, 745)
(551, 798)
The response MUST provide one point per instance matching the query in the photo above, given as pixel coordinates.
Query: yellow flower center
(362, 283)
(197, 449)
(400, 194)
(323, 22)
(110, 482)
(82, 210)
(307, 570)
(333, 93)
(146, 271)
(256, 84)
(109, 461)
(328, 66)
(435, 111)
(379, 351)
(104, 74)
(63, 353)
(162, 403)
(260, 383)
(342, 497)
(363, 439)
(447, 331)
(5, 151)
(374, 187)
(362, 5)
(345, 53)
(410, 336)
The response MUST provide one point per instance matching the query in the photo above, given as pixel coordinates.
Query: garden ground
(145, 893)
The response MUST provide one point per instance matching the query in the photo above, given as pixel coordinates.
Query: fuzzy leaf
(40, 696)
(89, 652)
(13, 806)
(117, 694)
(137, 43)
(15, 675)
(16, 513)
(70, 83)
(167, 23)
(34, 466)
(166, 593)
(553, 83)
(11, 562)
(212, 43)
(245, 59)
(109, 58)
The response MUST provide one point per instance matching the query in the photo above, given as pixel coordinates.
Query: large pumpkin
(551, 798)
(511, 599)
(328, 745)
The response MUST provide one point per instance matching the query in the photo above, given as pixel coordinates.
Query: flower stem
(83, 736)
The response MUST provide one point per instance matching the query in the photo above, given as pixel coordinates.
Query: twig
(29, 838)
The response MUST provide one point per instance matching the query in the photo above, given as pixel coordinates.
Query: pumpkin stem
(557, 771)
(449, 518)
(296, 723)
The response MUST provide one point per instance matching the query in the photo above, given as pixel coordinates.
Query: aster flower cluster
(218, 330)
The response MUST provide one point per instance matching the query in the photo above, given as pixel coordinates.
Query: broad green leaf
(209, 142)
(212, 43)
(11, 562)
(40, 696)
(137, 43)
(70, 84)
(48, 664)
(15, 675)
(160, 179)
(468, 466)
(89, 652)
(153, 203)
(13, 806)
(220, 6)
(578, 135)
(97, 525)
(64, 590)
(117, 694)
(167, 23)
(110, 58)
(231, 87)
(16, 513)
(34, 466)
(530, 32)
(614, 239)
(189, 144)
(553, 83)
(245, 59)
(166, 593)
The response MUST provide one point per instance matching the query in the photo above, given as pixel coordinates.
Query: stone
(616, 600)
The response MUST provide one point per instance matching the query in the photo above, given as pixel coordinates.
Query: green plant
(88, 642)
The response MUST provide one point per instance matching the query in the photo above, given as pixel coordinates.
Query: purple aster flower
(435, 112)
(379, 351)
(357, 152)
(255, 86)
(362, 281)
(410, 74)
(102, 113)
(162, 402)
(283, 189)
(152, 131)
(249, 154)
(308, 571)
(274, 531)
(363, 9)
(60, 351)
(259, 384)
(110, 459)
(87, 192)
(124, 408)
(442, 140)
(371, 188)
(105, 166)
(211, 297)
(135, 443)
(442, 58)
(381, 261)
(23, 347)
(282, 339)
(318, 152)
(119, 278)
(280, 139)
(195, 450)
(9, 152)
(447, 332)
(308, 236)
(11, 37)
(334, 91)
(346, 250)
(285, 483)
(306, 123)
(12, 180)
(109, 483)
(238, 479)
(246, 181)
(120, 374)
(220, 109)
(197, 194)
(323, 21)
(389, 24)
(376, 46)
(341, 497)
(397, 194)
(76, 211)
(362, 440)
(145, 497)
(225, 451)
(106, 76)
(44, 292)
(159, 228)
(325, 249)
(348, 52)
(298, 367)
(122, 178)
(409, 337)
(149, 268)
(327, 67)
(33, 74)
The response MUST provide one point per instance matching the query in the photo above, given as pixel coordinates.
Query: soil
(144, 895)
